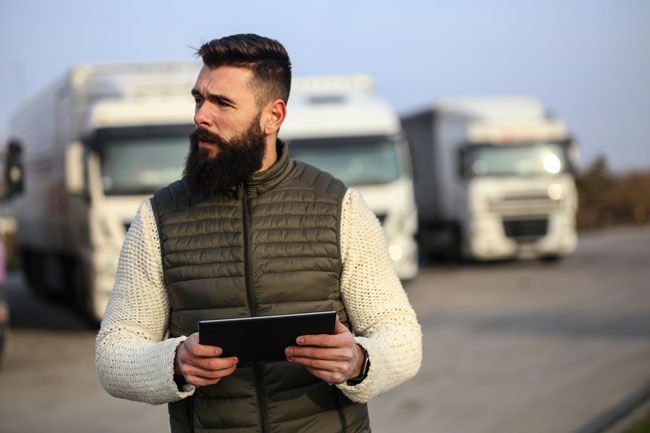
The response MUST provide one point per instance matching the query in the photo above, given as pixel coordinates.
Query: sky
(588, 61)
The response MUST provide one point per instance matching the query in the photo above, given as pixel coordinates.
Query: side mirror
(461, 166)
(573, 155)
(74, 168)
(13, 170)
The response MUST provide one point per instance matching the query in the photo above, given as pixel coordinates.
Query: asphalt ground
(519, 346)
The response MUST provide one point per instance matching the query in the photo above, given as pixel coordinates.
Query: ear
(274, 115)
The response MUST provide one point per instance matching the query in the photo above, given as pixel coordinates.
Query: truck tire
(454, 253)
(551, 259)
(33, 272)
(81, 298)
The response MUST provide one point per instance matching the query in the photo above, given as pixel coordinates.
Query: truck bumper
(489, 240)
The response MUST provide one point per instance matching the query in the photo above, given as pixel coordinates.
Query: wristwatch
(180, 381)
(364, 369)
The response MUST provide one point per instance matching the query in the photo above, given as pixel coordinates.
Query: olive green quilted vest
(271, 247)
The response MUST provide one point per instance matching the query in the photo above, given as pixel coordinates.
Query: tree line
(607, 199)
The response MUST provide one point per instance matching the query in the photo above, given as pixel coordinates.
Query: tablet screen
(263, 338)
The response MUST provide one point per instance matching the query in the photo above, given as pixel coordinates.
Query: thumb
(340, 328)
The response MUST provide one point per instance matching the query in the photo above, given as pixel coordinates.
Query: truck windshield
(141, 164)
(354, 160)
(532, 159)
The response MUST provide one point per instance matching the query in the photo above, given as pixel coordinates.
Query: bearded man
(250, 232)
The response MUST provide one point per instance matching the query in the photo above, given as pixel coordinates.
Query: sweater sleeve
(133, 357)
(382, 318)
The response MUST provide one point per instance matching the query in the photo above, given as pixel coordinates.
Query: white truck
(340, 125)
(94, 145)
(494, 179)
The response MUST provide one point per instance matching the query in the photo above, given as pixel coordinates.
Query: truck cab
(96, 143)
(496, 179)
(339, 125)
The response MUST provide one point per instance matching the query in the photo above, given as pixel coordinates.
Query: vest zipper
(247, 252)
(338, 401)
(257, 367)
(264, 418)
(191, 407)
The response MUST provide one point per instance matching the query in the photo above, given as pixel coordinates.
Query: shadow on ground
(30, 312)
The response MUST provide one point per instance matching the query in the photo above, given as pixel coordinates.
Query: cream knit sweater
(135, 357)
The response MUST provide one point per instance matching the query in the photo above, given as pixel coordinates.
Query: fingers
(342, 337)
(330, 365)
(200, 364)
(344, 354)
(192, 344)
(198, 381)
(198, 372)
(323, 340)
(207, 371)
(210, 364)
(332, 358)
(328, 376)
(321, 364)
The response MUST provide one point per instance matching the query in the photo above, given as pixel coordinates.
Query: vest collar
(268, 179)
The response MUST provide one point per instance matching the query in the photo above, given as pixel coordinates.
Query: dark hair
(266, 58)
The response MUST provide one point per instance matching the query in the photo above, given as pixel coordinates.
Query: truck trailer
(494, 179)
(94, 145)
(339, 124)
(105, 137)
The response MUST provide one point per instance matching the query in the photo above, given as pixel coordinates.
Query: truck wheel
(32, 271)
(454, 252)
(86, 300)
(80, 289)
(551, 259)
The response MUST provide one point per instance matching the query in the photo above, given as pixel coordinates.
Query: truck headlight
(555, 191)
(397, 253)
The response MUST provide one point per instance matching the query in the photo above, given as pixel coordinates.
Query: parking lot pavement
(508, 347)
(528, 347)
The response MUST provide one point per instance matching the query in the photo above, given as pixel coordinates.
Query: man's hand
(332, 358)
(200, 365)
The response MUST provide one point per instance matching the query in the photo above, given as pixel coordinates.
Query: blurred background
(503, 146)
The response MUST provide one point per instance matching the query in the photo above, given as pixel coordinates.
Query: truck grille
(514, 205)
(528, 228)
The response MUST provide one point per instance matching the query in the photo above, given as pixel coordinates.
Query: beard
(236, 160)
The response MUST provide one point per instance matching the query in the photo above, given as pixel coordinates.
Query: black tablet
(263, 338)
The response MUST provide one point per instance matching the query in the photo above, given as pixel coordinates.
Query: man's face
(228, 143)
(225, 103)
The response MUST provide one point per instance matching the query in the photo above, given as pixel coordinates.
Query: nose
(201, 116)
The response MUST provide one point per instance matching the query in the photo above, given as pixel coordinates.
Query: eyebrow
(212, 97)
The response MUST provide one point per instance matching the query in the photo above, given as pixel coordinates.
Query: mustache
(203, 134)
